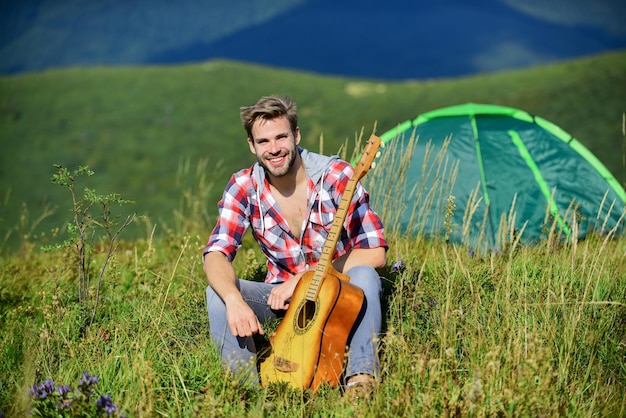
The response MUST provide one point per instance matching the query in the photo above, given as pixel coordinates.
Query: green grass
(138, 127)
(523, 333)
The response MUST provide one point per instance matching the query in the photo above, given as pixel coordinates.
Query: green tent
(485, 175)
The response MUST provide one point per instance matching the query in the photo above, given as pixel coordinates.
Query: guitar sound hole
(306, 314)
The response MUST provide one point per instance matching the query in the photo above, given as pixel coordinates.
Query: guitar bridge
(284, 365)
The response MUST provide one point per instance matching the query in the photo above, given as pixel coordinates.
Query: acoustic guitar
(308, 347)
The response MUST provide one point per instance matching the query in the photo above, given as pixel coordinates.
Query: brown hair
(270, 107)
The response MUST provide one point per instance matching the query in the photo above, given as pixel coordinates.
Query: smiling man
(289, 199)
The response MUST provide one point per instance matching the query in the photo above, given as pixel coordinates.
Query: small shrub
(85, 228)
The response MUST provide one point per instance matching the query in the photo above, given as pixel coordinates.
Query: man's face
(274, 145)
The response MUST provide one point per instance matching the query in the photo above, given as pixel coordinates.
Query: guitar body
(308, 347)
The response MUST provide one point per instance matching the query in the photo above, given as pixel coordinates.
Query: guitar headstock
(370, 152)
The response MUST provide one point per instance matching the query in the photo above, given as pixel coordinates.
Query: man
(289, 198)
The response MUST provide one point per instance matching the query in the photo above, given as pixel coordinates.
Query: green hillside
(138, 127)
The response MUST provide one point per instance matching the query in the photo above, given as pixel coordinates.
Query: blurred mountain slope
(394, 39)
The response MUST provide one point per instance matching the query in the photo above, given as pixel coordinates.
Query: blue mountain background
(387, 40)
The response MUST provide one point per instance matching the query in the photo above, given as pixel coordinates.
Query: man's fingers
(241, 329)
(277, 301)
(246, 328)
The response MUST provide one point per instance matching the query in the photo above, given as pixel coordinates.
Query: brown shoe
(360, 386)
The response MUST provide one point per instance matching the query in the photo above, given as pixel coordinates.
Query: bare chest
(293, 208)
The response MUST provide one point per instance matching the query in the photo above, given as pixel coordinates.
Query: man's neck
(287, 185)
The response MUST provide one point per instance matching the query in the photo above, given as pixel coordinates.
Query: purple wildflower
(41, 391)
(63, 390)
(86, 383)
(49, 386)
(50, 400)
(106, 403)
(87, 380)
(471, 253)
(398, 266)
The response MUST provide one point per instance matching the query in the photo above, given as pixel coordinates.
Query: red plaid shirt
(245, 203)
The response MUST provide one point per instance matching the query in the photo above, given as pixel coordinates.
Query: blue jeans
(239, 353)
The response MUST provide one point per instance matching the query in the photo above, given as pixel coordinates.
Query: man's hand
(281, 293)
(241, 319)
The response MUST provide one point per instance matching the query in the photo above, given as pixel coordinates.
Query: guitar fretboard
(325, 263)
(328, 250)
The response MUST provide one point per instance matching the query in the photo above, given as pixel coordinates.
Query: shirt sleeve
(364, 226)
(232, 222)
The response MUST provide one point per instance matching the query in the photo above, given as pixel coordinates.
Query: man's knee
(366, 278)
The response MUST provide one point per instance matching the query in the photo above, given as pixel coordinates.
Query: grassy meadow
(526, 331)
(517, 331)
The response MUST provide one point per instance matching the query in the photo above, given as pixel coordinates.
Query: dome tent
(485, 174)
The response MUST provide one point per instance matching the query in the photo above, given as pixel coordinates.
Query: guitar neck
(325, 263)
(324, 266)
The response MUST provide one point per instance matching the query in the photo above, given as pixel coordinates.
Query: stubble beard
(279, 171)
